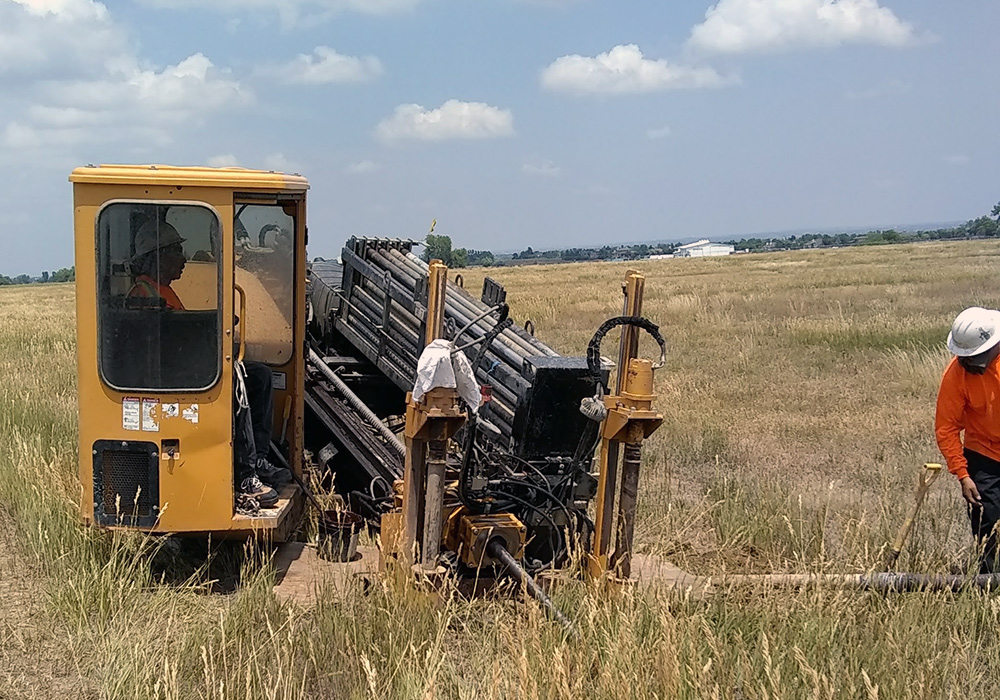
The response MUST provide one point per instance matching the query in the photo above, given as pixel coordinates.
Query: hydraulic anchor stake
(630, 420)
(430, 423)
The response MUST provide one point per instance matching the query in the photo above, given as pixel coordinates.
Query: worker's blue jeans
(253, 427)
(985, 472)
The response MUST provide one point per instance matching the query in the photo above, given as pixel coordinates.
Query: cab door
(269, 269)
(157, 417)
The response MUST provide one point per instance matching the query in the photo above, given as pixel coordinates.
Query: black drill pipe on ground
(497, 550)
(298, 480)
(881, 582)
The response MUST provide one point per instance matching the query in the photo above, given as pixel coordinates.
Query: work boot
(255, 488)
(272, 475)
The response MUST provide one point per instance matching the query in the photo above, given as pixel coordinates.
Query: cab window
(265, 269)
(158, 296)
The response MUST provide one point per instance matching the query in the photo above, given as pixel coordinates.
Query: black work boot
(272, 475)
(255, 488)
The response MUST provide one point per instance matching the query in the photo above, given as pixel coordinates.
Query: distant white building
(664, 256)
(703, 249)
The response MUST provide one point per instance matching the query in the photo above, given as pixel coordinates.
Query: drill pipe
(508, 350)
(529, 344)
(883, 582)
(497, 550)
(511, 356)
(466, 308)
(373, 310)
(404, 341)
(357, 403)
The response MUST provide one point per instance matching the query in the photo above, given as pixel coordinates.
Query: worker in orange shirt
(969, 400)
(159, 260)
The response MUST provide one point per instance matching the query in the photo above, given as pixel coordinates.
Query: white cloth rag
(437, 367)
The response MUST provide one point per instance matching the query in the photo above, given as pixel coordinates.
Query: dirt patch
(34, 662)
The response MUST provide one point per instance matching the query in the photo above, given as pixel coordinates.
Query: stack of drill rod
(383, 313)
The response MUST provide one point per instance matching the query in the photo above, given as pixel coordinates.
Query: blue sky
(548, 123)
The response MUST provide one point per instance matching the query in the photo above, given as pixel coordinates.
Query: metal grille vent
(126, 483)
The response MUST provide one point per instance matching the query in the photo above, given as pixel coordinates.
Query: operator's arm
(949, 420)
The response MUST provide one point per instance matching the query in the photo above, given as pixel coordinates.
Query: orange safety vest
(146, 287)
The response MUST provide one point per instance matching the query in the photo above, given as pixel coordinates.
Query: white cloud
(659, 132)
(223, 160)
(623, 69)
(80, 83)
(363, 167)
(736, 26)
(57, 38)
(64, 9)
(543, 168)
(957, 159)
(292, 12)
(452, 120)
(324, 65)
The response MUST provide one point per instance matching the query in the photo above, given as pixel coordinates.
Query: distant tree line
(440, 248)
(983, 227)
(65, 274)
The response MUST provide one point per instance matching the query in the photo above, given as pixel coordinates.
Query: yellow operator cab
(157, 362)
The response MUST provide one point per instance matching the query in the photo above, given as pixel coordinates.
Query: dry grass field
(798, 395)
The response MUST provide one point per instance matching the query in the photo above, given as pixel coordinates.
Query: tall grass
(798, 404)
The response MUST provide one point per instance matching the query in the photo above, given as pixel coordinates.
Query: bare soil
(34, 661)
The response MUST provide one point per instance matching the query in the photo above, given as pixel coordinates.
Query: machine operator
(158, 261)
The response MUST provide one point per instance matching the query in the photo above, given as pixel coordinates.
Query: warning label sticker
(190, 414)
(169, 410)
(278, 380)
(130, 413)
(150, 415)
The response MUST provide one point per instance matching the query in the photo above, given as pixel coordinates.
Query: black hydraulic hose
(488, 339)
(497, 550)
(358, 404)
(463, 474)
(552, 498)
(594, 348)
(558, 553)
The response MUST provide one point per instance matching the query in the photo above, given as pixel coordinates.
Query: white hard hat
(974, 331)
(154, 235)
